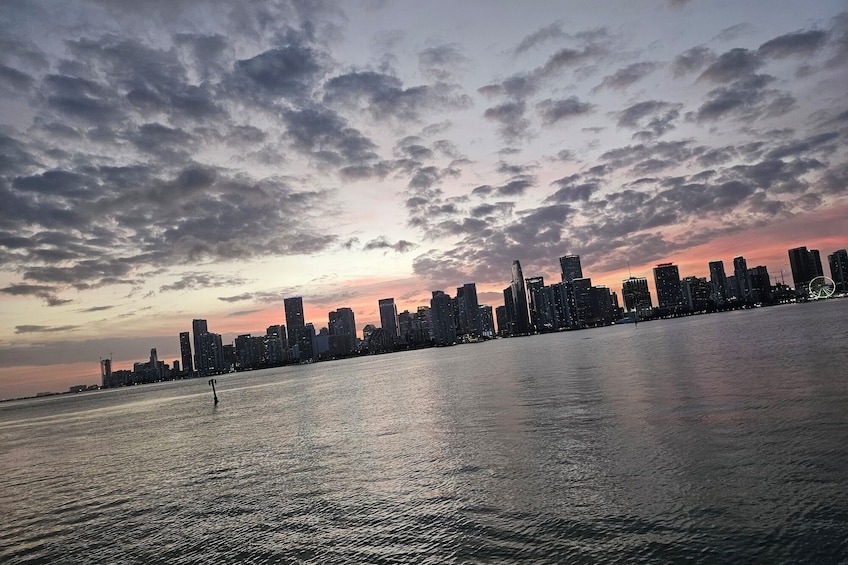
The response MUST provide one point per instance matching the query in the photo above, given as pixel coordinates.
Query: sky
(167, 160)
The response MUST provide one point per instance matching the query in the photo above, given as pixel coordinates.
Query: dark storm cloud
(622, 78)
(735, 64)
(552, 111)
(800, 43)
(692, 61)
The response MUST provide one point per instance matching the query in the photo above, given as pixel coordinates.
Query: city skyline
(161, 163)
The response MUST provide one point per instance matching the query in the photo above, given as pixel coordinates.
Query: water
(713, 439)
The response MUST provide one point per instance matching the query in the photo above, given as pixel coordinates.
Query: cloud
(195, 281)
(655, 116)
(95, 309)
(622, 78)
(512, 125)
(382, 242)
(552, 111)
(797, 44)
(540, 36)
(732, 65)
(28, 329)
(692, 61)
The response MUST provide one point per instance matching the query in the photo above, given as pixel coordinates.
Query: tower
(294, 318)
(570, 267)
(838, 262)
(519, 300)
(743, 280)
(185, 353)
(667, 283)
(637, 296)
(388, 316)
(718, 282)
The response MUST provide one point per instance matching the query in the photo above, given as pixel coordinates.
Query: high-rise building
(637, 296)
(487, 321)
(519, 301)
(305, 348)
(468, 310)
(760, 284)
(582, 289)
(342, 326)
(743, 280)
(208, 350)
(534, 294)
(185, 352)
(806, 265)
(443, 323)
(508, 329)
(295, 320)
(502, 320)
(570, 267)
(696, 293)
(275, 345)
(388, 316)
(838, 262)
(718, 283)
(667, 283)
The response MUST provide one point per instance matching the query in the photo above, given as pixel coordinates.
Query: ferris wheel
(822, 287)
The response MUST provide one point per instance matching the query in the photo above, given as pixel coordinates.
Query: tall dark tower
(519, 300)
(839, 269)
(667, 283)
(718, 282)
(571, 269)
(806, 265)
(743, 279)
(294, 318)
(185, 353)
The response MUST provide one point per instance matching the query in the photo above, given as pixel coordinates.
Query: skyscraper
(185, 353)
(519, 301)
(534, 293)
(468, 310)
(582, 289)
(388, 316)
(718, 283)
(806, 265)
(667, 283)
(342, 326)
(570, 267)
(637, 296)
(838, 262)
(743, 280)
(208, 349)
(294, 317)
(443, 323)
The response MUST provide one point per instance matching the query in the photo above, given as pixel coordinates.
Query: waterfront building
(487, 321)
(521, 315)
(718, 283)
(806, 265)
(502, 320)
(389, 316)
(637, 296)
(468, 310)
(295, 320)
(743, 280)
(838, 262)
(582, 288)
(760, 284)
(208, 350)
(667, 284)
(305, 348)
(275, 345)
(534, 287)
(444, 323)
(570, 268)
(185, 353)
(342, 328)
(696, 293)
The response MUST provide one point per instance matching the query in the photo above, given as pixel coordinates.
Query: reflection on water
(712, 438)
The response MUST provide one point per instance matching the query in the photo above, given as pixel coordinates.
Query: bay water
(714, 438)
